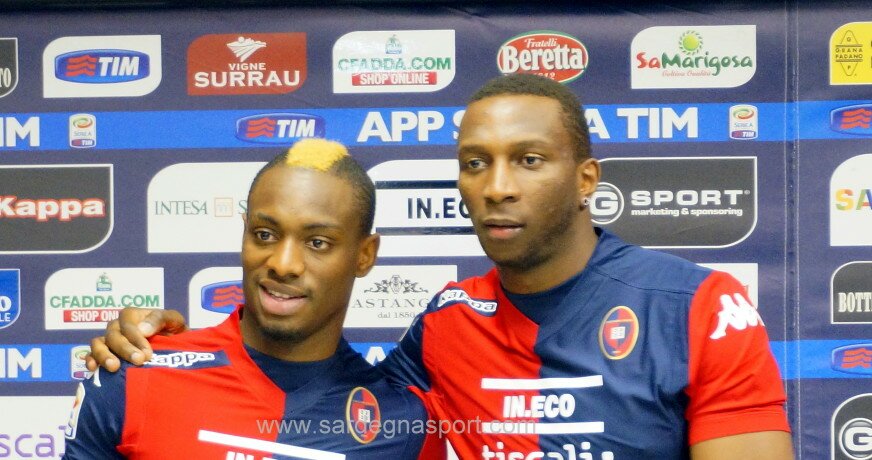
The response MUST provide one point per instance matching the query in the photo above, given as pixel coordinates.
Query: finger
(100, 355)
(118, 340)
(166, 322)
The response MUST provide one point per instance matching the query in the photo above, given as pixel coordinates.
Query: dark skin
(525, 191)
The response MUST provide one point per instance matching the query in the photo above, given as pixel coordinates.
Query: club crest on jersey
(363, 415)
(618, 332)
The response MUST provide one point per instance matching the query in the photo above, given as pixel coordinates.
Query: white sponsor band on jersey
(266, 446)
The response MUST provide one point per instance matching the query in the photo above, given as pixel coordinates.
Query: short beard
(533, 258)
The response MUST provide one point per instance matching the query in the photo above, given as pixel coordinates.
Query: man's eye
(263, 235)
(319, 244)
(475, 163)
(531, 160)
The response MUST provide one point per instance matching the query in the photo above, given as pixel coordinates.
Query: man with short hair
(276, 378)
(577, 345)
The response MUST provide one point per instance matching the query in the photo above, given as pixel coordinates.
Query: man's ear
(367, 254)
(587, 178)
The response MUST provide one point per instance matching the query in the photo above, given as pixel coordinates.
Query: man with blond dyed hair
(276, 379)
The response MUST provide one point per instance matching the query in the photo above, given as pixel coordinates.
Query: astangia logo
(363, 415)
(279, 128)
(555, 55)
(222, 297)
(102, 66)
(618, 332)
(853, 119)
(853, 359)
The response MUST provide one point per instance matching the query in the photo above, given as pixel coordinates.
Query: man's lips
(502, 228)
(280, 299)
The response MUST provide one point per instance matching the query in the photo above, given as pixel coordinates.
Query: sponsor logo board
(279, 128)
(693, 57)
(851, 429)
(393, 61)
(196, 207)
(555, 55)
(102, 66)
(8, 65)
(88, 298)
(83, 131)
(678, 202)
(392, 295)
(10, 296)
(850, 54)
(39, 430)
(228, 64)
(39, 204)
(851, 294)
(213, 293)
(851, 202)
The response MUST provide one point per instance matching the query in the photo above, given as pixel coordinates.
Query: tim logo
(222, 297)
(279, 128)
(618, 332)
(363, 415)
(853, 359)
(102, 66)
(853, 119)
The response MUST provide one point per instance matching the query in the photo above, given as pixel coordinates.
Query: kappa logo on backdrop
(8, 65)
(221, 64)
(102, 66)
(41, 202)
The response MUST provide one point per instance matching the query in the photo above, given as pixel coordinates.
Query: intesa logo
(693, 57)
(556, 55)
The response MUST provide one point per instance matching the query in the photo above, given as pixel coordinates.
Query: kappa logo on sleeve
(188, 359)
(737, 313)
(455, 296)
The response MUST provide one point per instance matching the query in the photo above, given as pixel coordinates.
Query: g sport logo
(420, 213)
(851, 294)
(851, 202)
(102, 66)
(618, 332)
(232, 64)
(8, 65)
(41, 202)
(853, 119)
(392, 295)
(743, 122)
(556, 55)
(279, 128)
(853, 359)
(88, 298)
(850, 51)
(197, 207)
(393, 61)
(83, 131)
(851, 429)
(10, 296)
(679, 202)
(693, 57)
(213, 293)
(363, 415)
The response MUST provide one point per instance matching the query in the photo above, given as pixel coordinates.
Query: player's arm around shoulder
(737, 398)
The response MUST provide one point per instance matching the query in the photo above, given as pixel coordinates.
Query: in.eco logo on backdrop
(693, 57)
(55, 209)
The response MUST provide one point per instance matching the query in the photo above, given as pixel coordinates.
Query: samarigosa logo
(555, 55)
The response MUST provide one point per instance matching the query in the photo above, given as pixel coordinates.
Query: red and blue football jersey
(203, 396)
(642, 355)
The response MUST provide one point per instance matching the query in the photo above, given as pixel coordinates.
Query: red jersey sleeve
(734, 384)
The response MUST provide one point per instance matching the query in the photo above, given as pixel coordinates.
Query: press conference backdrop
(735, 136)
